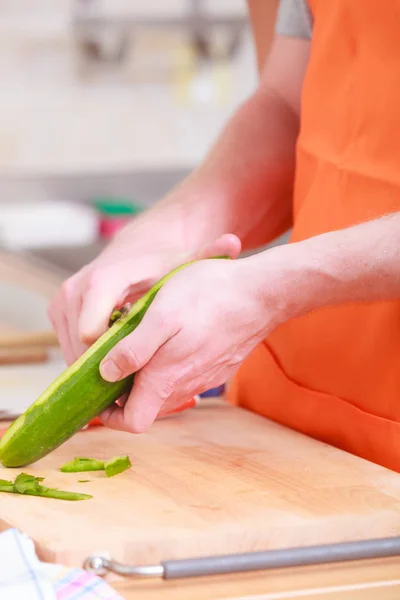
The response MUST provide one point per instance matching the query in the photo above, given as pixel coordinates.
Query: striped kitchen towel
(76, 584)
(24, 577)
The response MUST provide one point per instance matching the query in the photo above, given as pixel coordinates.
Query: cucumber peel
(46, 492)
(81, 465)
(77, 396)
(117, 465)
(31, 486)
(27, 483)
(112, 467)
(6, 486)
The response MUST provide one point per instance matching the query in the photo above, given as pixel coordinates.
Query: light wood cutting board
(212, 480)
(18, 354)
(26, 288)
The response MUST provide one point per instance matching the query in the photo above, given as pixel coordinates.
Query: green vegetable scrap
(80, 465)
(25, 484)
(6, 486)
(117, 314)
(61, 494)
(117, 465)
(114, 466)
(31, 486)
(83, 480)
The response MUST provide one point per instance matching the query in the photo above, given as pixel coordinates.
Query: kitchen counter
(366, 580)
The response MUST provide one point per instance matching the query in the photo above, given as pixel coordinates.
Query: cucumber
(77, 396)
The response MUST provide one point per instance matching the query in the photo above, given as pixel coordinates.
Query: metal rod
(253, 561)
(100, 565)
(146, 23)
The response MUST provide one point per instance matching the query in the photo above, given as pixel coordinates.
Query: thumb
(226, 245)
(98, 302)
(136, 349)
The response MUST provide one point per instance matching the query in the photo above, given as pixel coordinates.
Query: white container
(41, 224)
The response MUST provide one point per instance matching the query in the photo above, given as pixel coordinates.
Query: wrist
(289, 282)
(355, 264)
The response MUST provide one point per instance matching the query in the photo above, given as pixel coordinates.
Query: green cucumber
(77, 396)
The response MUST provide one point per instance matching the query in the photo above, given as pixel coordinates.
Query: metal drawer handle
(251, 561)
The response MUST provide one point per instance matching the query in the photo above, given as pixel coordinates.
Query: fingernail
(110, 371)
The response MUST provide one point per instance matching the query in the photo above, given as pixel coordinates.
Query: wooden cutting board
(12, 352)
(213, 480)
(27, 286)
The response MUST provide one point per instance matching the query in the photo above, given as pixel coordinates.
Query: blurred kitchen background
(104, 106)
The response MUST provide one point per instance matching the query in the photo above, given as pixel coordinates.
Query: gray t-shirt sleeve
(294, 19)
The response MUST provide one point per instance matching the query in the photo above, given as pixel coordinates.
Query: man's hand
(198, 330)
(132, 263)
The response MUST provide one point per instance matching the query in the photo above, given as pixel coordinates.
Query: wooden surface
(213, 480)
(14, 348)
(26, 288)
(29, 273)
(23, 356)
(11, 338)
(21, 347)
(363, 580)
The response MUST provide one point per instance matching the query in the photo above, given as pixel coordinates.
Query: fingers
(142, 347)
(143, 405)
(64, 314)
(60, 325)
(129, 418)
(226, 245)
(136, 349)
(102, 294)
(80, 312)
(73, 309)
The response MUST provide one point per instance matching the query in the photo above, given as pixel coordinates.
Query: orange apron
(335, 374)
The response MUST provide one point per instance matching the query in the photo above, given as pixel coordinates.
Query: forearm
(358, 264)
(244, 186)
